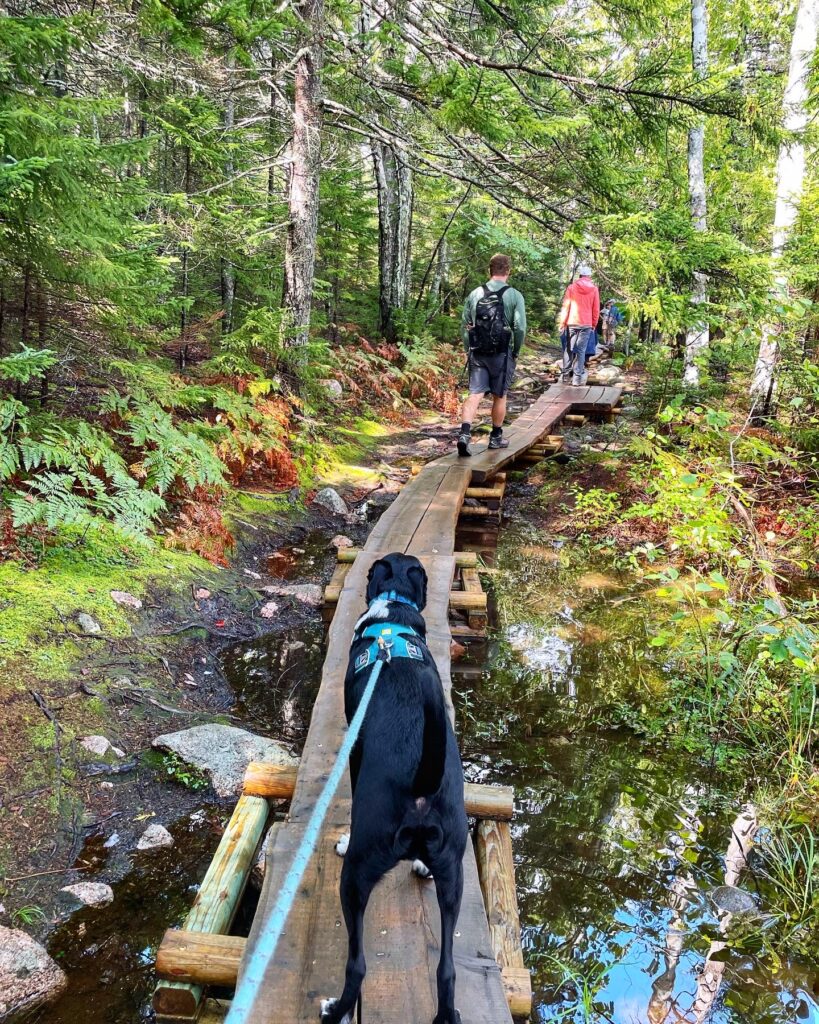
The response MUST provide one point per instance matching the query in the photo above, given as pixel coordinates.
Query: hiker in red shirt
(579, 314)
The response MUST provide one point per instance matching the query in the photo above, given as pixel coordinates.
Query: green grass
(39, 604)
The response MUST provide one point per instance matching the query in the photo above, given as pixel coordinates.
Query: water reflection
(623, 851)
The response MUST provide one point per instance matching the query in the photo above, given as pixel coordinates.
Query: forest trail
(402, 918)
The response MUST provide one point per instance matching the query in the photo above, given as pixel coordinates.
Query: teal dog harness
(389, 639)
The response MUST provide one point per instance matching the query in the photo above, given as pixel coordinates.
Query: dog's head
(403, 574)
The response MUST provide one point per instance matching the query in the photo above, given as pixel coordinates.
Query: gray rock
(607, 374)
(98, 745)
(124, 598)
(268, 610)
(29, 978)
(111, 841)
(308, 593)
(341, 541)
(154, 838)
(333, 388)
(223, 752)
(88, 624)
(90, 894)
(332, 501)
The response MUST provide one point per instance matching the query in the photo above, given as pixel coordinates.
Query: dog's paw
(446, 1018)
(343, 845)
(419, 868)
(328, 1015)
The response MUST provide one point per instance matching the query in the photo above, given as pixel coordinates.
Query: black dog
(406, 775)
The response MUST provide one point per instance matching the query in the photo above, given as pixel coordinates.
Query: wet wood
(479, 511)
(218, 898)
(332, 591)
(496, 870)
(574, 420)
(476, 618)
(486, 492)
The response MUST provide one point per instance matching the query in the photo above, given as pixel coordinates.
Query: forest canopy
(209, 209)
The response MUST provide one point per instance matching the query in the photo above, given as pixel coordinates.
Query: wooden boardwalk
(402, 918)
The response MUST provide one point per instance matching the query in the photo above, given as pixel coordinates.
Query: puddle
(623, 854)
(304, 560)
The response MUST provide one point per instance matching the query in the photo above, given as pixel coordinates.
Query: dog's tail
(430, 771)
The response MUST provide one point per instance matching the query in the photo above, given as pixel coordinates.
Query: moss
(261, 504)
(39, 605)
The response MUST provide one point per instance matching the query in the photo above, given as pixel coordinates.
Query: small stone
(88, 624)
(106, 785)
(98, 745)
(308, 593)
(90, 894)
(340, 541)
(29, 978)
(201, 594)
(154, 837)
(118, 752)
(268, 610)
(123, 597)
(112, 840)
(299, 551)
(252, 574)
(331, 500)
(333, 388)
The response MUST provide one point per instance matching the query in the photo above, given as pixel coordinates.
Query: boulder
(333, 388)
(90, 894)
(607, 374)
(332, 501)
(29, 978)
(308, 593)
(124, 598)
(223, 752)
(88, 624)
(340, 541)
(155, 837)
(98, 745)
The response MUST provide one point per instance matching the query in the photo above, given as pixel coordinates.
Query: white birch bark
(393, 177)
(697, 336)
(304, 173)
(228, 274)
(790, 175)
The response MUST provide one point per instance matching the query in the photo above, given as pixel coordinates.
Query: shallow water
(620, 848)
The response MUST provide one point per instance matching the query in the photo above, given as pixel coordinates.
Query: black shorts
(491, 374)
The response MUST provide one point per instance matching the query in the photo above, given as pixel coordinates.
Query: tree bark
(305, 171)
(393, 177)
(696, 339)
(790, 175)
(228, 274)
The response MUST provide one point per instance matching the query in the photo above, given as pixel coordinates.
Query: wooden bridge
(402, 918)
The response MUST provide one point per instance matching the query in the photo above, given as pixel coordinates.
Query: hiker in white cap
(578, 314)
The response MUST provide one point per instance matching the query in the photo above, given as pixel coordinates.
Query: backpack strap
(502, 291)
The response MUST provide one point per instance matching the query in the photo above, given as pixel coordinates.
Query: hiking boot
(463, 444)
(499, 441)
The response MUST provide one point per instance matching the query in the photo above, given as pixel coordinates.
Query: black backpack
(491, 333)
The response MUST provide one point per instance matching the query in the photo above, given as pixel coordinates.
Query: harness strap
(398, 641)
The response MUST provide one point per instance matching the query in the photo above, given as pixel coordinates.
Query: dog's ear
(380, 572)
(418, 580)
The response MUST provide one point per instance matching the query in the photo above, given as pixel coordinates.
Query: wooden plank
(476, 618)
(278, 782)
(496, 870)
(463, 559)
(218, 898)
(332, 591)
(435, 534)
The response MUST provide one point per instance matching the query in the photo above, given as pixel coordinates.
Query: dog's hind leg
(356, 886)
(449, 885)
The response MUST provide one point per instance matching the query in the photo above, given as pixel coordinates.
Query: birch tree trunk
(697, 336)
(393, 177)
(305, 170)
(790, 175)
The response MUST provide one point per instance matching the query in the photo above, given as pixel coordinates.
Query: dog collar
(389, 640)
(391, 595)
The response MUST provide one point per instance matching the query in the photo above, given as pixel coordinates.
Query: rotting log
(496, 872)
(465, 600)
(479, 511)
(218, 898)
(277, 783)
(463, 559)
(486, 492)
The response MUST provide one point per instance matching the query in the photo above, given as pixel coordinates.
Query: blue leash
(271, 931)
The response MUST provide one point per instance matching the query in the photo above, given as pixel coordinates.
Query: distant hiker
(612, 318)
(493, 327)
(579, 313)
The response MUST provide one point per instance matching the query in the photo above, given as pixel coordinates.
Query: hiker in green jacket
(493, 327)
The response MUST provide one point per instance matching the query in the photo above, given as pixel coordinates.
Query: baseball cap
(584, 270)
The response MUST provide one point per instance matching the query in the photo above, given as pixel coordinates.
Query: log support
(496, 871)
